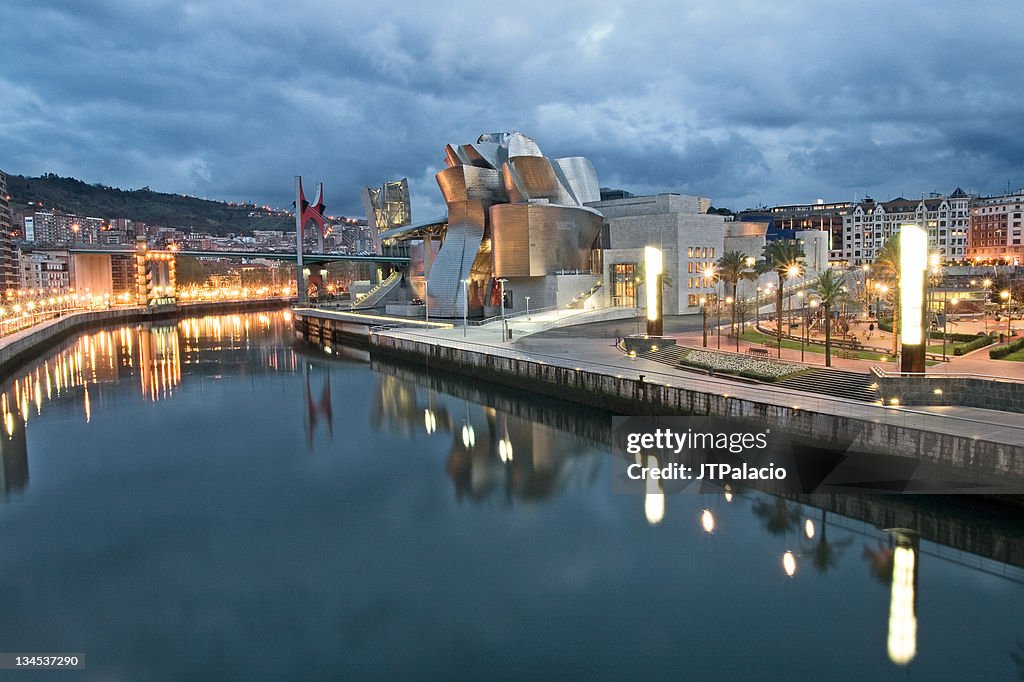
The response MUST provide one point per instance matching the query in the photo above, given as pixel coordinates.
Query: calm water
(202, 501)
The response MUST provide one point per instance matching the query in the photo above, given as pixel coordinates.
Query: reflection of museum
(492, 455)
(544, 230)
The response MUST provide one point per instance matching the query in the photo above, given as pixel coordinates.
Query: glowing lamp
(653, 267)
(913, 264)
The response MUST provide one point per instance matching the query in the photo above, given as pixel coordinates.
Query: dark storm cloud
(744, 102)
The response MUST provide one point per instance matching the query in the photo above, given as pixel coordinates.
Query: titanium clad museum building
(539, 230)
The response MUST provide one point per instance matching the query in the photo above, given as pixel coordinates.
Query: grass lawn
(758, 337)
(1015, 357)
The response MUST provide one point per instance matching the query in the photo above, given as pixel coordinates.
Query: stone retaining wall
(634, 397)
(936, 389)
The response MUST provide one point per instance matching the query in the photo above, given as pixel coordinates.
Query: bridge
(283, 256)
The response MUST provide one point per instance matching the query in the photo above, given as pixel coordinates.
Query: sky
(748, 103)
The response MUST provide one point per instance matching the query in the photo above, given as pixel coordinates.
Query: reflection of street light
(707, 521)
(527, 307)
(789, 563)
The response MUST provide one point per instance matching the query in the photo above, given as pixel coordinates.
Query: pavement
(591, 346)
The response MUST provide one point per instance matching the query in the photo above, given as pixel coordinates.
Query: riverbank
(21, 347)
(591, 372)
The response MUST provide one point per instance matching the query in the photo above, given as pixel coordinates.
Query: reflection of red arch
(317, 409)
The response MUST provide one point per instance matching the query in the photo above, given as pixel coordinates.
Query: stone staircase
(836, 383)
(579, 302)
(376, 295)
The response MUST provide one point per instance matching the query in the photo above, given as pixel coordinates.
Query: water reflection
(503, 452)
(152, 354)
(492, 454)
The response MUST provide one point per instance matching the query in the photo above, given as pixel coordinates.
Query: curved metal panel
(521, 145)
(462, 183)
(454, 261)
(485, 154)
(579, 176)
(452, 156)
(539, 239)
(537, 180)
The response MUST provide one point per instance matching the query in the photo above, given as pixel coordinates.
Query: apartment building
(946, 219)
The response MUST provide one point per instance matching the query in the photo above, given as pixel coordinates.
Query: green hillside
(155, 208)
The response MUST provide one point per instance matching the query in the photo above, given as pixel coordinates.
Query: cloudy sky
(748, 103)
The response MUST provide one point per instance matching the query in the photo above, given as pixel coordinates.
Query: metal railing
(510, 316)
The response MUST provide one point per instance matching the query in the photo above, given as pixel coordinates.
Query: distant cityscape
(963, 229)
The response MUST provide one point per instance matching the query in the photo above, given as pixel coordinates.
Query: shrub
(1003, 351)
(975, 344)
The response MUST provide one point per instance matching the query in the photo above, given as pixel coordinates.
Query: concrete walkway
(601, 355)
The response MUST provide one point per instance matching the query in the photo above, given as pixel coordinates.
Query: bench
(762, 352)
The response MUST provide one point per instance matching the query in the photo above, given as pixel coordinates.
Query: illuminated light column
(913, 263)
(653, 269)
(141, 287)
(172, 273)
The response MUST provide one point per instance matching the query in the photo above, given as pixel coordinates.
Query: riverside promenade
(24, 344)
(589, 369)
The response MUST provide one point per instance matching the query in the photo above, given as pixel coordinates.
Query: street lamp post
(426, 300)
(945, 321)
(465, 311)
(729, 301)
(984, 309)
(800, 302)
(757, 309)
(704, 318)
(1005, 295)
(501, 283)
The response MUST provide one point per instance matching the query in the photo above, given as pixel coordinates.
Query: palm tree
(785, 259)
(732, 267)
(827, 554)
(887, 268)
(831, 289)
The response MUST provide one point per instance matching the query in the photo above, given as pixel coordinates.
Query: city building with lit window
(870, 224)
(995, 229)
(52, 228)
(9, 275)
(45, 270)
(785, 221)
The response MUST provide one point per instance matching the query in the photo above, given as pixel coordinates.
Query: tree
(831, 289)
(188, 270)
(732, 267)
(887, 269)
(785, 262)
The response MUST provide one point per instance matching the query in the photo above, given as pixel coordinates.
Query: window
(624, 284)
